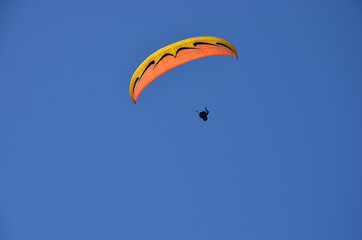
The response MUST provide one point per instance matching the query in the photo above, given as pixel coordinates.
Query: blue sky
(279, 158)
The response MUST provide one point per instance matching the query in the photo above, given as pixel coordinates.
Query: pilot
(203, 114)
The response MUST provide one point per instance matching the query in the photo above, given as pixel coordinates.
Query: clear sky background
(280, 157)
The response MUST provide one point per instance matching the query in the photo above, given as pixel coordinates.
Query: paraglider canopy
(174, 55)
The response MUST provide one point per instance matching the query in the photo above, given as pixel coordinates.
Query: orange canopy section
(174, 55)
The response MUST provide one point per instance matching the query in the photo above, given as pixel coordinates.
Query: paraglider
(203, 114)
(174, 55)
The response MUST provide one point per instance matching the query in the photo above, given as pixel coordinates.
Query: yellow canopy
(174, 55)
